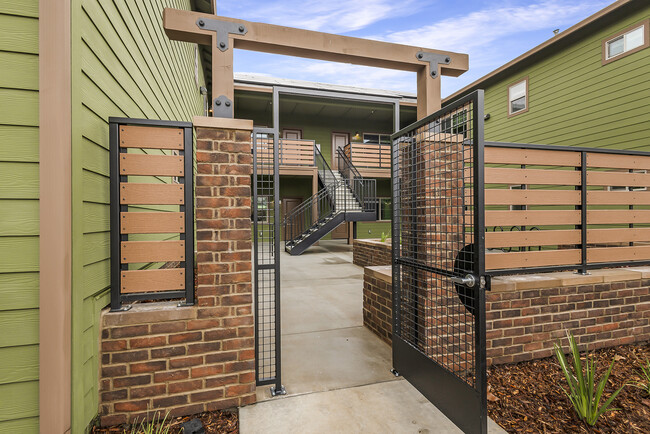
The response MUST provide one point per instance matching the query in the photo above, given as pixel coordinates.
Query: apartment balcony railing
(292, 152)
(368, 155)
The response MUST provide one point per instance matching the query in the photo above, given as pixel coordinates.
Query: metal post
(116, 302)
(188, 180)
(583, 211)
(479, 258)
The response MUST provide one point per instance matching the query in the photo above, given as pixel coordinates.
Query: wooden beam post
(429, 92)
(223, 79)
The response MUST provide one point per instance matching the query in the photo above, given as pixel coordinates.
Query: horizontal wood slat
(618, 198)
(623, 179)
(151, 137)
(532, 197)
(152, 251)
(151, 194)
(152, 222)
(157, 165)
(616, 161)
(531, 238)
(531, 218)
(618, 216)
(542, 258)
(135, 281)
(617, 235)
(497, 175)
(534, 157)
(618, 254)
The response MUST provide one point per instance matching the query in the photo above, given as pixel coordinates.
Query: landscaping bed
(214, 422)
(527, 397)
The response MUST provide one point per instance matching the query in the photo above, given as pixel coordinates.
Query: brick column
(186, 360)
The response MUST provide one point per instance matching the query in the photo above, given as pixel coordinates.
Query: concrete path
(336, 372)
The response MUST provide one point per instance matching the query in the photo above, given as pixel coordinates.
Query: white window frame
(644, 25)
(525, 96)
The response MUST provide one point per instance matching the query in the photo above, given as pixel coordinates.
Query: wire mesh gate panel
(438, 261)
(266, 257)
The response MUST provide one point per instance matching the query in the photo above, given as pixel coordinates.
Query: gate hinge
(223, 29)
(434, 59)
(277, 392)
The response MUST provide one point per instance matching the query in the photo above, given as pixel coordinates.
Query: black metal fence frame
(116, 237)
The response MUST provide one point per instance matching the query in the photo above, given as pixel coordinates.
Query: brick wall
(367, 253)
(527, 314)
(186, 360)
(377, 301)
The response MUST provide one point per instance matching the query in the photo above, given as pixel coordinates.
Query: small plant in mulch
(584, 393)
(154, 426)
(214, 422)
(644, 382)
(384, 236)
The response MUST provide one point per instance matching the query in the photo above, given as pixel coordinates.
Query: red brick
(147, 342)
(205, 347)
(142, 392)
(185, 337)
(115, 395)
(133, 380)
(129, 331)
(221, 356)
(170, 401)
(108, 346)
(206, 395)
(168, 327)
(214, 335)
(185, 386)
(205, 371)
(167, 352)
(222, 381)
(113, 371)
(112, 419)
(162, 377)
(239, 389)
(159, 365)
(186, 362)
(129, 356)
(131, 406)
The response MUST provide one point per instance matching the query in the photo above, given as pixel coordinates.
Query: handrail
(323, 168)
(363, 190)
(320, 205)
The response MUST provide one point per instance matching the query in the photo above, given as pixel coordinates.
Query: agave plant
(583, 392)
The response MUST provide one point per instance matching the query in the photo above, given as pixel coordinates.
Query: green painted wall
(19, 220)
(123, 65)
(576, 101)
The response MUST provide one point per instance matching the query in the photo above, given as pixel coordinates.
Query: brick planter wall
(366, 253)
(527, 314)
(377, 301)
(187, 360)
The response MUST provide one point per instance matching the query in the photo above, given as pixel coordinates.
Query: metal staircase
(345, 196)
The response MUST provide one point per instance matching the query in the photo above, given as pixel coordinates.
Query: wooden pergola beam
(268, 38)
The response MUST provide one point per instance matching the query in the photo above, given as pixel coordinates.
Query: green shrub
(582, 393)
(155, 426)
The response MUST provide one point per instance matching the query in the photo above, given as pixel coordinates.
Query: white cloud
(325, 16)
(483, 27)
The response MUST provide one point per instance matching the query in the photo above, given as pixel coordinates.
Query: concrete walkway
(336, 372)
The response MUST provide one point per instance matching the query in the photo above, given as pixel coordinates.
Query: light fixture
(356, 137)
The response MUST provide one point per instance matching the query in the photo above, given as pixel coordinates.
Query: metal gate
(266, 258)
(438, 262)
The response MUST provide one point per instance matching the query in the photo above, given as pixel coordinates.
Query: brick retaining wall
(187, 360)
(527, 314)
(367, 253)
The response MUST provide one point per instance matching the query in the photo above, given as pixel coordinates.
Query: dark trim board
(459, 402)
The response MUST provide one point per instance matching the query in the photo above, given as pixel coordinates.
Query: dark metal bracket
(223, 29)
(276, 392)
(434, 60)
(222, 107)
(394, 372)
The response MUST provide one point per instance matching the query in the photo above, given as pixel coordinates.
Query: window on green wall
(518, 97)
(383, 139)
(384, 208)
(626, 42)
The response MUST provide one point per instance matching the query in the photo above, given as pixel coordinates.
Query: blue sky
(491, 32)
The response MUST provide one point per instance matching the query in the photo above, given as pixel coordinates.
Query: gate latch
(469, 280)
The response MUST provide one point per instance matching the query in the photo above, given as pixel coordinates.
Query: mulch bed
(528, 397)
(214, 422)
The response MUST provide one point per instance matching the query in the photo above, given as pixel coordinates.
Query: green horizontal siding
(576, 101)
(124, 66)
(19, 219)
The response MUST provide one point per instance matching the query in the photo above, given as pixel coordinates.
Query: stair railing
(363, 190)
(324, 171)
(310, 212)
